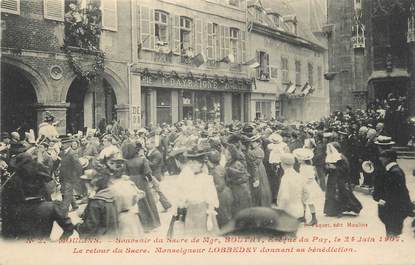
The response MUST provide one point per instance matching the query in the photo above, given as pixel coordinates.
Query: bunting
(290, 88)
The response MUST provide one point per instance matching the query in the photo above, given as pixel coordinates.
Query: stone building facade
(371, 52)
(292, 62)
(191, 61)
(41, 71)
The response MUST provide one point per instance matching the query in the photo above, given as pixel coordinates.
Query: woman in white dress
(126, 196)
(198, 197)
(304, 157)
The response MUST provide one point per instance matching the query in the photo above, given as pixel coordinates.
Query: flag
(291, 88)
(249, 26)
(253, 63)
(307, 89)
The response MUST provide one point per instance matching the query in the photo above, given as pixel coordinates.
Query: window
(274, 72)
(234, 35)
(259, 15)
(185, 33)
(276, 20)
(297, 73)
(10, 6)
(161, 27)
(284, 71)
(163, 99)
(310, 74)
(263, 69)
(212, 41)
(319, 78)
(263, 110)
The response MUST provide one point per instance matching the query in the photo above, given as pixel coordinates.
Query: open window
(161, 27)
(185, 35)
(263, 72)
(233, 37)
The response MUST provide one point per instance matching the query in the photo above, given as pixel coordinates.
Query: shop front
(171, 98)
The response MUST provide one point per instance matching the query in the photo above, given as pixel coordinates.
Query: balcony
(83, 28)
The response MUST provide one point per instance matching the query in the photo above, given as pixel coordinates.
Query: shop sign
(192, 83)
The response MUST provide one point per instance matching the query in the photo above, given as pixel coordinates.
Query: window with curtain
(310, 74)
(284, 70)
(161, 26)
(234, 35)
(297, 73)
(319, 78)
(185, 33)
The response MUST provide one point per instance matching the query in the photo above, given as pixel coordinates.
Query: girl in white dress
(307, 170)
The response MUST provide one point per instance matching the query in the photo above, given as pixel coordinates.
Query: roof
(286, 8)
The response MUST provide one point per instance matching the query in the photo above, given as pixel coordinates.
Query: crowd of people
(227, 174)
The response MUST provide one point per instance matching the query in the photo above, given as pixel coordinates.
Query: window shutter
(268, 66)
(222, 42)
(152, 29)
(242, 46)
(210, 53)
(109, 14)
(54, 9)
(198, 35)
(175, 24)
(146, 29)
(205, 44)
(10, 6)
(258, 58)
(227, 40)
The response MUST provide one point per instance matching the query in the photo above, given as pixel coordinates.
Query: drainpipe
(132, 60)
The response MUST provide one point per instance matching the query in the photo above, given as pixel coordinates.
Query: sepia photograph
(207, 132)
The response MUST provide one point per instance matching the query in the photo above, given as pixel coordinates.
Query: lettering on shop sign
(135, 117)
(188, 83)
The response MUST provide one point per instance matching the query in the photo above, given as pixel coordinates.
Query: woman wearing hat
(260, 189)
(224, 192)
(305, 156)
(126, 197)
(238, 179)
(100, 218)
(138, 168)
(25, 212)
(198, 195)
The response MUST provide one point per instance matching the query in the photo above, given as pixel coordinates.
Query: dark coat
(35, 217)
(224, 195)
(155, 160)
(395, 193)
(100, 216)
(238, 181)
(261, 195)
(339, 193)
(138, 168)
(71, 168)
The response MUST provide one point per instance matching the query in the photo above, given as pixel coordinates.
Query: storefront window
(164, 107)
(208, 106)
(187, 105)
(263, 110)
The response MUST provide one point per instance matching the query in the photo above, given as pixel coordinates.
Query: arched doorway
(18, 99)
(89, 103)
